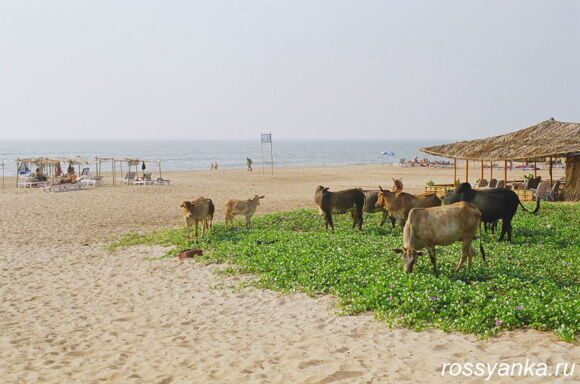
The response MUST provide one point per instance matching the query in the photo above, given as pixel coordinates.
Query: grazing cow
(194, 212)
(245, 208)
(494, 204)
(349, 200)
(371, 198)
(400, 204)
(428, 227)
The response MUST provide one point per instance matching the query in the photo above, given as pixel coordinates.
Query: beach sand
(72, 311)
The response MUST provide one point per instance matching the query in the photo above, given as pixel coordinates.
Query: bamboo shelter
(547, 140)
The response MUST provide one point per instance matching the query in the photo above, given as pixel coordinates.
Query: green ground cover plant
(531, 283)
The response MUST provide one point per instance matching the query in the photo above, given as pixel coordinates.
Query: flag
(266, 138)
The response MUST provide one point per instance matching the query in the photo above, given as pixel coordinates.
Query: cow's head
(410, 257)
(463, 192)
(384, 198)
(321, 189)
(257, 199)
(397, 185)
(187, 205)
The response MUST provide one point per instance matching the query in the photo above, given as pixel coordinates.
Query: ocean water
(198, 154)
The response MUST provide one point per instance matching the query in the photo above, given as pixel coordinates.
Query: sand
(71, 311)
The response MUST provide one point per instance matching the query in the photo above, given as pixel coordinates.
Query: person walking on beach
(249, 164)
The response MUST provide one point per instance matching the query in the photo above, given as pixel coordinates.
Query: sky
(303, 69)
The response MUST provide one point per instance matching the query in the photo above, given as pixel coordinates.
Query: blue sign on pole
(266, 138)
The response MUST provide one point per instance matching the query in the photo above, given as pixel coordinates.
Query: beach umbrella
(388, 153)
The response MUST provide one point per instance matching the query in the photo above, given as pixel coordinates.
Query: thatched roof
(548, 138)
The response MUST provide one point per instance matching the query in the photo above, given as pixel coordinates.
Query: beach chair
(161, 181)
(146, 180)
(492, 183)
(129, 178)
(500, 184)
(85, 172)
(481, 183)
(94, 181)
(542, 191)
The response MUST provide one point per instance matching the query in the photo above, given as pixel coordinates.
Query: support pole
(481, 171)
(535, 170)
(272, 156)
(454, 172)
(160, 170)
(550, 170)
(467, 171)
(505, 173)
(490, 171)
(113, 169)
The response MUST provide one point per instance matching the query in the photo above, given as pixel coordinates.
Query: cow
(371, 197)
(400, 204)
(348, 200)
(194, 212)
(246, 208)
(494, 204)
(428, 227)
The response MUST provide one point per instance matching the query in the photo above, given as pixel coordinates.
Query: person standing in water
(249, 164)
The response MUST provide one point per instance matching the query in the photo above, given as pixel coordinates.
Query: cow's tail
(480, 244)
(535, 210)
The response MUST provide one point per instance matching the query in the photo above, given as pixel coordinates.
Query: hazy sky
(303, 69)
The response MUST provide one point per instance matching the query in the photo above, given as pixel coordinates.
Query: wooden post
(490, 171)
(160, 170)
(550, 170)
(505, 173)
(535, 170)
(454, 172)
(481, 171)
(467, 171)
(113, 169)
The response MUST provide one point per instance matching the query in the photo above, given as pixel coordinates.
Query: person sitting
(38, 175)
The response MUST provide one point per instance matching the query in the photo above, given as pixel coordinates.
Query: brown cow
(194, 212)
(400, 204)
(245, 208)
(428, 227)
(371, 206)
(349, 200)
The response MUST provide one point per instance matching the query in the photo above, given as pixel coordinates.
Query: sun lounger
(161, 181)
(146, 180)
(129, 178)
(93, 181)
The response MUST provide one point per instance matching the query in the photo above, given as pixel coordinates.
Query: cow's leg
(248, 223)
(464, 255)
(384, 218)
(503, 230)
(328, 217)
(354, 218)
(357, 217)
(187, 230)
(203, 227)
(431, 251)
(470, 257)
(509, 230)
(196, 229)
(393, 221)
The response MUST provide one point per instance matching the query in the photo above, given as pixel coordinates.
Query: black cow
(349, 200)
(494, 204)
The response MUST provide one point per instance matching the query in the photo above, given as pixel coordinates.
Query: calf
(194, 212)
(349, 200)
(428, 227)
(399, 204)
(494, 204)
(245, 208)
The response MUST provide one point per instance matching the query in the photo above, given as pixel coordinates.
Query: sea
(199, 154)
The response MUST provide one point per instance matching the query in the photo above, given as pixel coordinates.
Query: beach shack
(543, 142)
